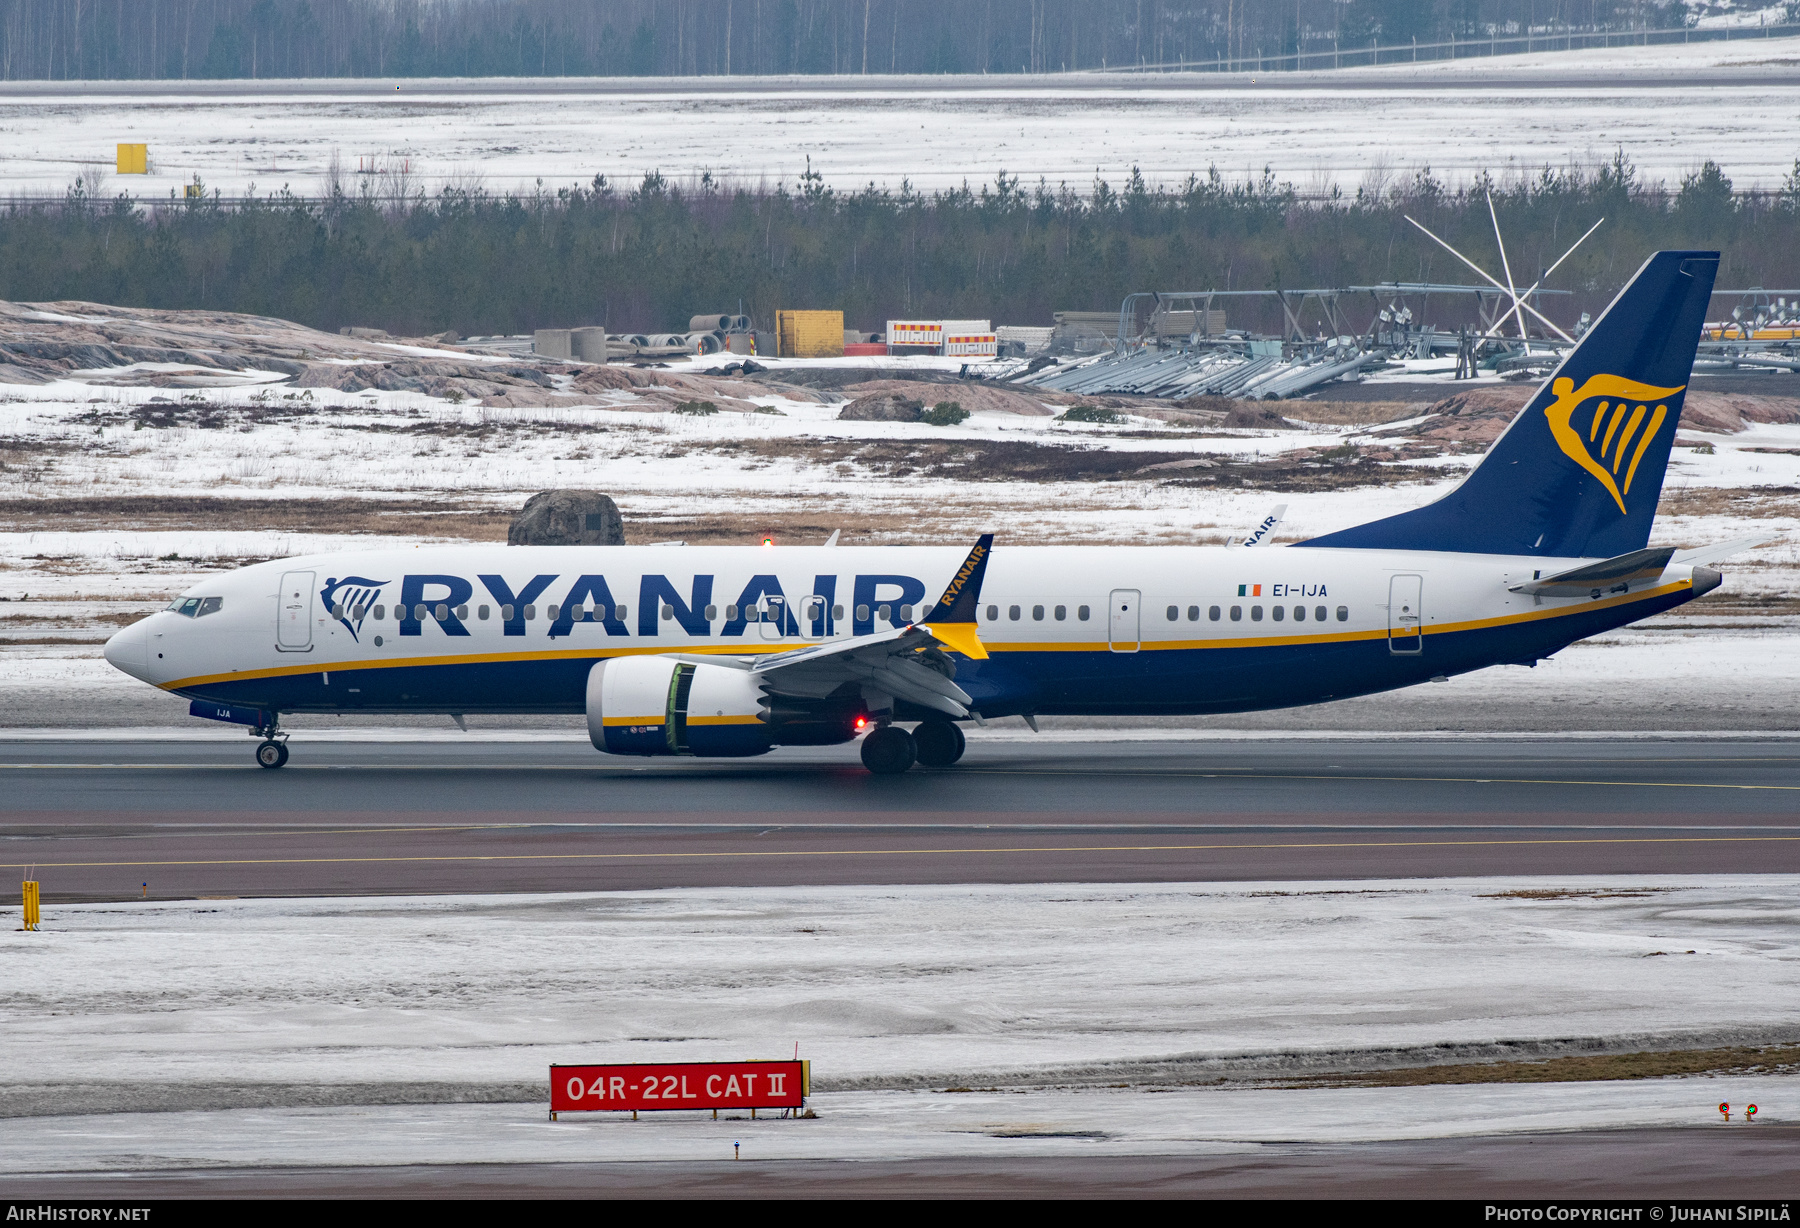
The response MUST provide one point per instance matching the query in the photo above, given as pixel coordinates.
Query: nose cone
(129, 650)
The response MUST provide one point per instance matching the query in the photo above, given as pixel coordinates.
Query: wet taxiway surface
(1745, 1164)
(99, 820)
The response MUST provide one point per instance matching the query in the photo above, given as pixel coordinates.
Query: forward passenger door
(293, 612)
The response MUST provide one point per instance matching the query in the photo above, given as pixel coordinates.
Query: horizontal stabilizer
(1639, 569)
(1719, 553)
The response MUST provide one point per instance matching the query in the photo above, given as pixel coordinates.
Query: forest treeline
(647, 256)
(186, 39)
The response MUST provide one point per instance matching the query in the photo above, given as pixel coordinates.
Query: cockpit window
(197, 607)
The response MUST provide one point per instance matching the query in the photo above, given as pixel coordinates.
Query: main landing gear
(890, 750)
(940, 743)
(272, 751)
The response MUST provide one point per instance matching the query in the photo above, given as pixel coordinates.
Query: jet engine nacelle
(659, 706)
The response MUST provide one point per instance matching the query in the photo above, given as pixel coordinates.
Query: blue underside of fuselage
(1167, 682)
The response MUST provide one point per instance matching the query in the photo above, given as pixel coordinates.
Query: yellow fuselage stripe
(597, 654)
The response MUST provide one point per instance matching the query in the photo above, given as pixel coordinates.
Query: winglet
(952, 621)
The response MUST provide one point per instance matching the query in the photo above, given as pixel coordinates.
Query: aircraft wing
(907, 662)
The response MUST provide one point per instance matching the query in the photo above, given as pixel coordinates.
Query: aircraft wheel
(889, 751)
(940, 743)
(271, 754)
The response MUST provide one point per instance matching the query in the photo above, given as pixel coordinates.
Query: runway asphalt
(118, 820)
(1733, 1166)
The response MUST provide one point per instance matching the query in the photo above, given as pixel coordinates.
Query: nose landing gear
(272, 752)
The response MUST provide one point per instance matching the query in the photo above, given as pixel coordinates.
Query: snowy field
(1353, 128)
(1070, 1005)
(64, 589)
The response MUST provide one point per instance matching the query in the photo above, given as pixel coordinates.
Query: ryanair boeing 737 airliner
(729, 651)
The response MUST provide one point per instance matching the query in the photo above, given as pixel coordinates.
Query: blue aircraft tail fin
(1579, 471)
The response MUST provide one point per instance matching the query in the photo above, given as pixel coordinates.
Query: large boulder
(567, 518)
(1247, 415)
(882, 407)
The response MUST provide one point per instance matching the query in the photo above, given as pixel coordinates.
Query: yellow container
(134, 159)
(809, 334)
(31, 905)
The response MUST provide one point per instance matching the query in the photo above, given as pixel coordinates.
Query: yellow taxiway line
(1070, 848)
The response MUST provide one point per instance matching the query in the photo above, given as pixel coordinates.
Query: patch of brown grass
(1578, 893)
(1352, 413)
(1734, 1060)
(1755, 503)
(435, 518)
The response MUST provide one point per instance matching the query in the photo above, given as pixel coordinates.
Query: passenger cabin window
(462, 611)
(1237, 613)
(1280, 612)
(1255, 613)
(1319, 613)
(482, 612)
(1343, 613)
(1081, 612)
(530, 613)
(1193, 613)
(837, 612)
(1012, 612)
(1212, 612)
(993, 613)
(1037, 613)
(862, 613)
(380, 613)
(1062, 613)
(1174, 613)
(1299, 613)
(906, 613)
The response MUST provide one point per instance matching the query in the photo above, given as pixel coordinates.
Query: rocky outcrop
(1249, 416)
(567, 518)
(881, 407)
(977, 398)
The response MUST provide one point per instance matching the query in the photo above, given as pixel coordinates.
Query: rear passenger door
(1406, 618)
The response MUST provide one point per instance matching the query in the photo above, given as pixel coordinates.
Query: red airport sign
(680, 1085)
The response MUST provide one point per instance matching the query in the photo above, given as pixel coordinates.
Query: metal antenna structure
(1520, 302)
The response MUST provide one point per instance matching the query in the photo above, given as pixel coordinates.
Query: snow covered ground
(1072, 1004)
(937, 133)
(876, 1126)
(65, 589)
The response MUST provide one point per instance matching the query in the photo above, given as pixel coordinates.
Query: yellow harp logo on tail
(1598, 425)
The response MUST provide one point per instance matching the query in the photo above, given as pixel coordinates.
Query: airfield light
(768, 541)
